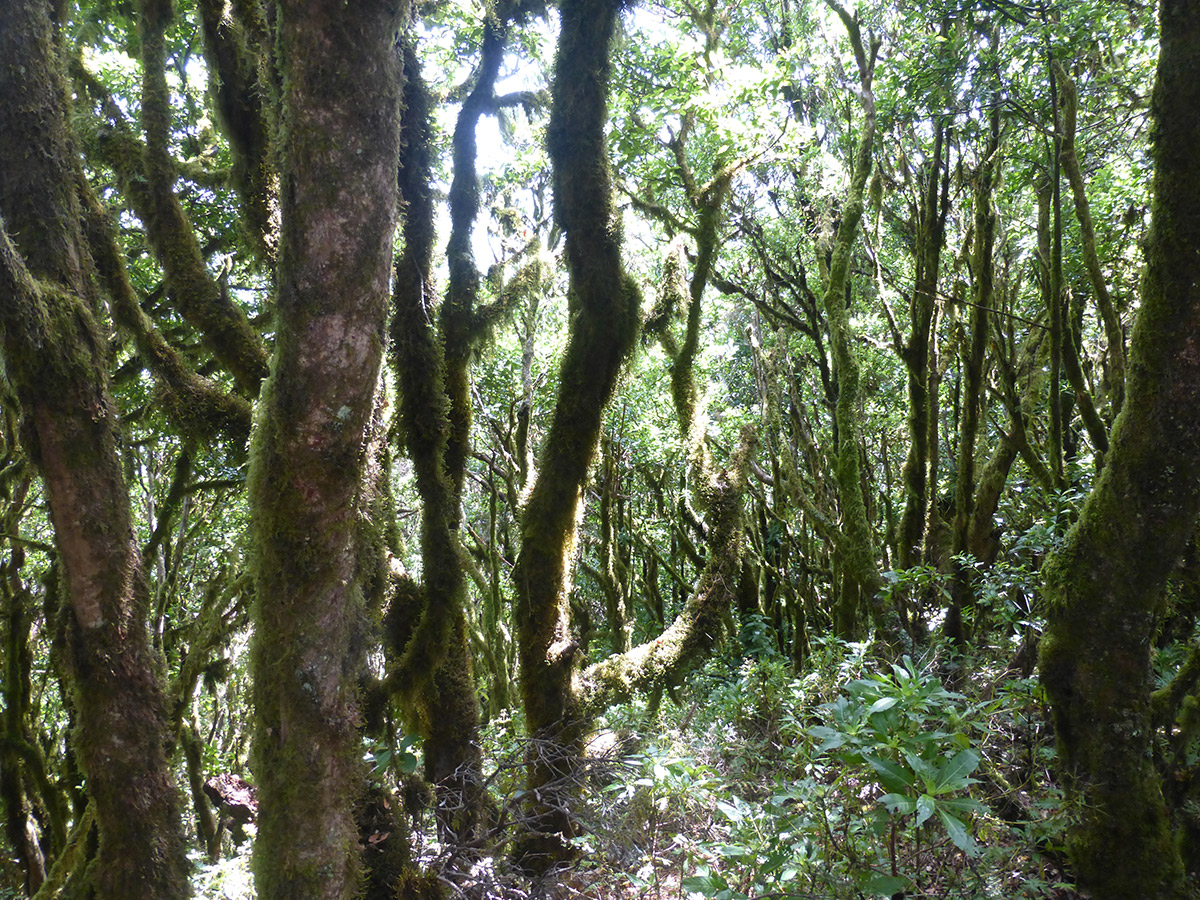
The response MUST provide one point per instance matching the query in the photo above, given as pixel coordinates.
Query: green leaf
(883, 703)
(884, 885)
(893, 776)
(926, 806)
(958, 833)
(408, 763)
(898, 803)
(921, 768)
(831, 738)
(732, 812)
(954, 774)
(709, 885)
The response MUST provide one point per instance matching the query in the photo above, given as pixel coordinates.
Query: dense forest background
(599, 449)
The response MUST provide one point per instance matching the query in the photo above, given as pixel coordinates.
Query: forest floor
(856, 779)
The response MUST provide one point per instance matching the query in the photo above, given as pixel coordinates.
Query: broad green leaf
(925, 808)
(732, 812)
(884, 885)
(830, 738)
(921, 768)
(893, 776)
(899, 803)
(883, 703)
(953, 776)
(709, 885)
(408, 763)
(958, 833)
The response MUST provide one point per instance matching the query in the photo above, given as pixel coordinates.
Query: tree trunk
(859, 544)
(972, 363)
(1105, 585)
(342, 76)
(605, 305)
(56, 358)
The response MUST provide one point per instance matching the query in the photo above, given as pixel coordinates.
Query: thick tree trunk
(342, 77)
(56, 358)
(1106, 584)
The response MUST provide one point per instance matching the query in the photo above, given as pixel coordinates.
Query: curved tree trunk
(859, 541)
(342, 79)
(1105, 585)
(605, 304)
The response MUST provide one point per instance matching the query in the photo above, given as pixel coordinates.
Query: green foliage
(905, 734)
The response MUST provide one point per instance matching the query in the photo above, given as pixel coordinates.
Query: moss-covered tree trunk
(858, 546)
(973, 371)
(1105, 586)
(931, 225)
(437, 679)
(605, 304)
(56, 357)
(341, 76)
(1113, 332)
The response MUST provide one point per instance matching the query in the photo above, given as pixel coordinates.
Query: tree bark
(342, 76)
(1113, 333)
(1105, 585)
(860, 560)
(973, 371)
(605, 305)
(56, 357)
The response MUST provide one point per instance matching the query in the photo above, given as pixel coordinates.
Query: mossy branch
(1113, 332)
(663, 660)
(198, 406)
(197, 296)
(237, 95)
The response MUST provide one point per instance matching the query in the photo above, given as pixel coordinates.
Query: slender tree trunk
(973, 360)
(1113, 332)
(931, 219)
(605, 303)
(859, 544)
(56, 358)
(1106, 584)
(342, 80)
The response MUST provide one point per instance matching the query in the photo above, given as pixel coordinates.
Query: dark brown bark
(340, 105)
(56, 358)
(1106, 584)
(931, 224)
(982, 265)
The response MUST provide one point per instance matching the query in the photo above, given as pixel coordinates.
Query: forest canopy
(599, 448)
